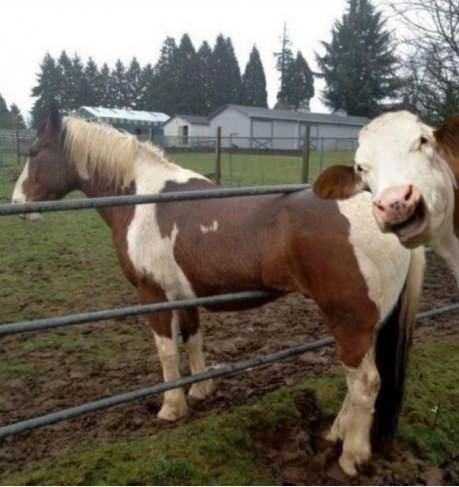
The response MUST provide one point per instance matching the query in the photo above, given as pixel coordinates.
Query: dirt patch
(296, 453)
(63, 368)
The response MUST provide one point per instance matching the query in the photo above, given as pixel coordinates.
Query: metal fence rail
(141, 199)
(114, 313)
(47, 323)
(211, 373)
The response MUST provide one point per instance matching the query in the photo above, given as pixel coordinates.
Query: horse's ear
(447, 135)
(338, 182)
(52, 125)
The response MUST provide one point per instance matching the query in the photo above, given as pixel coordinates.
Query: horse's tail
(392, 349)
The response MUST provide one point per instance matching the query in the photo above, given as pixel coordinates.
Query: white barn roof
(311, 117)
(126, 114)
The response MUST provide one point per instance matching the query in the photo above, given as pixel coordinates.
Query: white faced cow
(411, 170)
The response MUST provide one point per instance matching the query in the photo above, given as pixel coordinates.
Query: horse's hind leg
(353, 423)
(192, 336)
(165, 326)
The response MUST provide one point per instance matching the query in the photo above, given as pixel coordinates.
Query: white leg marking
(18, 193)
(198, 390)
(337, 431)
(174, 405)
(363, 385)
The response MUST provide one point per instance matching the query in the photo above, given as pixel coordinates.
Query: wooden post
(305, 155)
(18, 146)
(218, 157)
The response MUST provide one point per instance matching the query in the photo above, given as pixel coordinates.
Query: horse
(330, 251)
(412, 170)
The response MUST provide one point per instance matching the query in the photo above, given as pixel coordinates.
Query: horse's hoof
(172, 412)
(347, 463)
(200, 390)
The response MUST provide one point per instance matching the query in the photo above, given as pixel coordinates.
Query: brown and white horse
(330, 251)
(412, 171)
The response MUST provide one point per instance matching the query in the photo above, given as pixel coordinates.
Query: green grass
(255, 169)
(219, 450)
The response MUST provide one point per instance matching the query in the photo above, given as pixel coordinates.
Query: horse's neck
(95, 187)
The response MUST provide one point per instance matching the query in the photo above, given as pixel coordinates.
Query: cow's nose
(396, 204)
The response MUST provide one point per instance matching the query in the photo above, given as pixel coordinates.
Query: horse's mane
(101, 151)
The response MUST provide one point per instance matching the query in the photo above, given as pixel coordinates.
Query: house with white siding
(263, 128)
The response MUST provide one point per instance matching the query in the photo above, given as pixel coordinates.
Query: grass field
(255, 169)
(51, 266)
(219, 449)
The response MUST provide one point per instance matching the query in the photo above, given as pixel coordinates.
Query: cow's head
(402, 162)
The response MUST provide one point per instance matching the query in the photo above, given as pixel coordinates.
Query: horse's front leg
(192, 336)
(165, 327)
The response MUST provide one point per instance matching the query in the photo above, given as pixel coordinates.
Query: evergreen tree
(5, 115)
(133, 80)
(146, 93)
(16, 117)
(118, 86)
(204, 70)
(91, 94)
(164, 93)
(359, 65)
(299, 86)
(284, 61)
(188, 90)
(47, 90)
(226, 75)
(103, 89)
(64, 90)
(76, 84)
(253, 91)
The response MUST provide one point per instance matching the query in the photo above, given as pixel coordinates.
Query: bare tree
(431, 67)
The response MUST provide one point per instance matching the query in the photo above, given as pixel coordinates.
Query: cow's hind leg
(192, 336)
(165, 326)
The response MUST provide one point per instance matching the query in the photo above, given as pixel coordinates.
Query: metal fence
(230, 161)
(70, 320)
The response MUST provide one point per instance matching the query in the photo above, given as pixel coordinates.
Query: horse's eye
(359, 168)
(423, 140)
(33, 152)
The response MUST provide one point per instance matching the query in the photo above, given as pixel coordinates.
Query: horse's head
(401, 161)
(46, 174)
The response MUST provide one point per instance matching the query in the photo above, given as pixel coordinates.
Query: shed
(137, 122)
(263, 128)
(181, 130)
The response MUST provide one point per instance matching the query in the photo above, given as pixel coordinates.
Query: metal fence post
(218, 157)
(18, 147)
(305, 155)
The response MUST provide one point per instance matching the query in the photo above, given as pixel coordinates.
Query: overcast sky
(107, 30)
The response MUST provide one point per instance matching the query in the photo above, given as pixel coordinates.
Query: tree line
(364, 70)
(184, 80)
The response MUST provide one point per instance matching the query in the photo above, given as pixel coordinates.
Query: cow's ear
(338, 182)
(447, 136)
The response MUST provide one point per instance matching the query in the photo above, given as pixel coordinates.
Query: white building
(184, 130)
(261, 128)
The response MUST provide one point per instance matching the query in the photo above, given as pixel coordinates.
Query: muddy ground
(66, 378)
